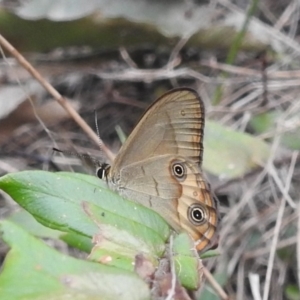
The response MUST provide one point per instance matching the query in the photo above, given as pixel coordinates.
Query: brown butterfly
(159, 166)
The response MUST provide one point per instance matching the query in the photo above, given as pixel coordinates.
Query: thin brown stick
(250, 73)
(126, 57)
(56, 95)
(215, 285)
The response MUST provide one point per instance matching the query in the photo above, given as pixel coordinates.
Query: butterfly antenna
(101, 168)
(79, 155)
(100, 141)
(98, 134)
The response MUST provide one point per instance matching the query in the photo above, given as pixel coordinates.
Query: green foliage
(79, 208)
(292, 292)
(231, 154)
(80, 204)
(185, 262)
(33, 270)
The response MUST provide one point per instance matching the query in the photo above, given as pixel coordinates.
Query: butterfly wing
(160, 165)
(173, 124)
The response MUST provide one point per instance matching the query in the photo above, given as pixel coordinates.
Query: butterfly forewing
(173, 124)
(160, 165)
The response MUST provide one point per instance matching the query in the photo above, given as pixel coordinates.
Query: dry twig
(56, 95)
(215, 284)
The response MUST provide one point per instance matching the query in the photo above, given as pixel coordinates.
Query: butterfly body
(159, 166)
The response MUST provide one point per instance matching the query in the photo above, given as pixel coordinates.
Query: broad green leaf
(77, 241)
(118, 244)
(114, 254)
(29, 223)
(187, 262)
(32, 270)
(118, 205)
(85, 212)
(230, 154)
(79, 203)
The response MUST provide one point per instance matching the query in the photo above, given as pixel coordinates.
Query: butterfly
(159, 166)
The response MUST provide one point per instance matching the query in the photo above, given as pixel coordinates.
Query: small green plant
(126, 238)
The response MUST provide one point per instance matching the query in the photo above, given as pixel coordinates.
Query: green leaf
(263, 122)
(187, 262)
(292, 292)
(32, 270)
(120, 242)
(114, 254)
(82, 204)
(77, 241)
(89, 210)
(231, 154)
(29, 223)
(210, 253)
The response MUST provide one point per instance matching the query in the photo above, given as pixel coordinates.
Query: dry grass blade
(56, 95)
(254, 284)
(273, 249)
(215, 285)
(278, 227)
